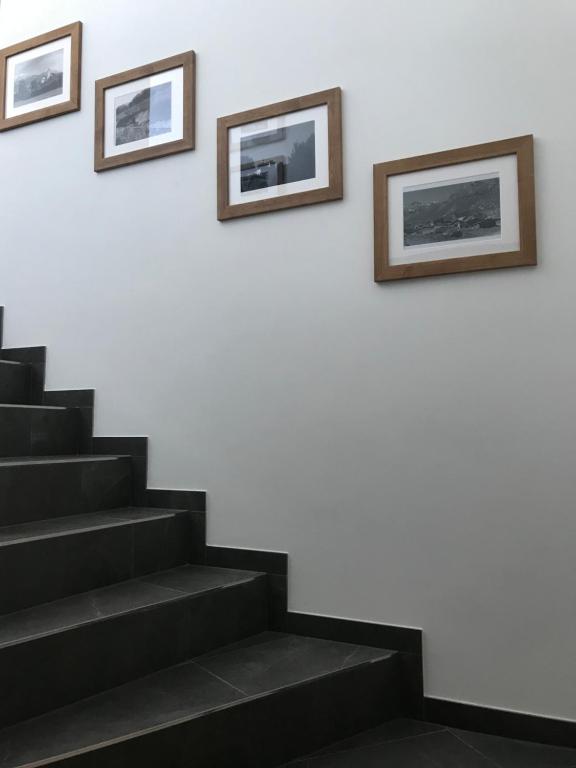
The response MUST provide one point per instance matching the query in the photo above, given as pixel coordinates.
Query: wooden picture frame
(182, 126)
(389, 261)
(328, 177)
(62, 98)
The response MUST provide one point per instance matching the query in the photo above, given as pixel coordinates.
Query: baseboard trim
(405, 640)
(137, 448)
(194, 502)
(388, 636)
(70, 398)
(35, 358)
(275, 563)
(500, 722)
(83, 401)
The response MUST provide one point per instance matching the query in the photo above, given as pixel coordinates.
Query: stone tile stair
(119, 647)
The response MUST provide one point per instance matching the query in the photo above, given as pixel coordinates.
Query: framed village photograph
(280, 156)
(40, 78)
(458, 211)
(145, 113)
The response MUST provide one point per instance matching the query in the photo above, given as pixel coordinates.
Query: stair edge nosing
(105, 524)
(25, 461)
(37, 407)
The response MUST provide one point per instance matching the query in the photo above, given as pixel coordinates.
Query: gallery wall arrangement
(461, 210)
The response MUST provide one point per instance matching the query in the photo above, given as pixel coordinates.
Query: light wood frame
(188, 63)
(334, 191)
(74, 31)
(522, 147)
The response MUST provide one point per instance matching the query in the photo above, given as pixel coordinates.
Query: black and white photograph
(278, 157)
(281, 155)
(452, 211)
(142, 114)
(146, 112)
(39, 78)
(468, 209)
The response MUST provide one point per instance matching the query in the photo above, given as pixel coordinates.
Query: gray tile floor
(413, 744)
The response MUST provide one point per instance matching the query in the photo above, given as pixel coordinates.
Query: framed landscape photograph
(280, 156)
(458, 211)
(145, 113)
(40, 78)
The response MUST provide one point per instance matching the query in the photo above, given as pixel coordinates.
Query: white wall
(412, 445)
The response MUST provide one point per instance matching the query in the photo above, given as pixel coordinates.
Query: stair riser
(56, 670)
(39, 491)
(14, 384)
(38, 432)
(263, 732)
(53, 568)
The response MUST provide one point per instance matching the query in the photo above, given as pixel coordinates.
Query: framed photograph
(458, 211)
(145, 112)
(280, 156)
(40, 78)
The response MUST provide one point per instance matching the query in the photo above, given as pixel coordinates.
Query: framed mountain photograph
(458, 211)
(280, 156)
(40, 78)
(145, 113)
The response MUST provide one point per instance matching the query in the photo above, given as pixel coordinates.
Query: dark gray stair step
(14, 382)
(49, 559)
(40, 488)
(254, 705)
(58, 653)
(36, 430)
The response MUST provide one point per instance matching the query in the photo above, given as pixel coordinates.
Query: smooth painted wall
(411, 445)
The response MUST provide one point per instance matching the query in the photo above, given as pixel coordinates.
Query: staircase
(119, 647)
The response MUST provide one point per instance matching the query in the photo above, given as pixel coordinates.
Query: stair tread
(91, 521)
(228, 677)
(115, 600)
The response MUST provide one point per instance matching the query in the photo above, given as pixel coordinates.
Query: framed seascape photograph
(40, 78)
(458, 211)
(145, 112)
(280, 156)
